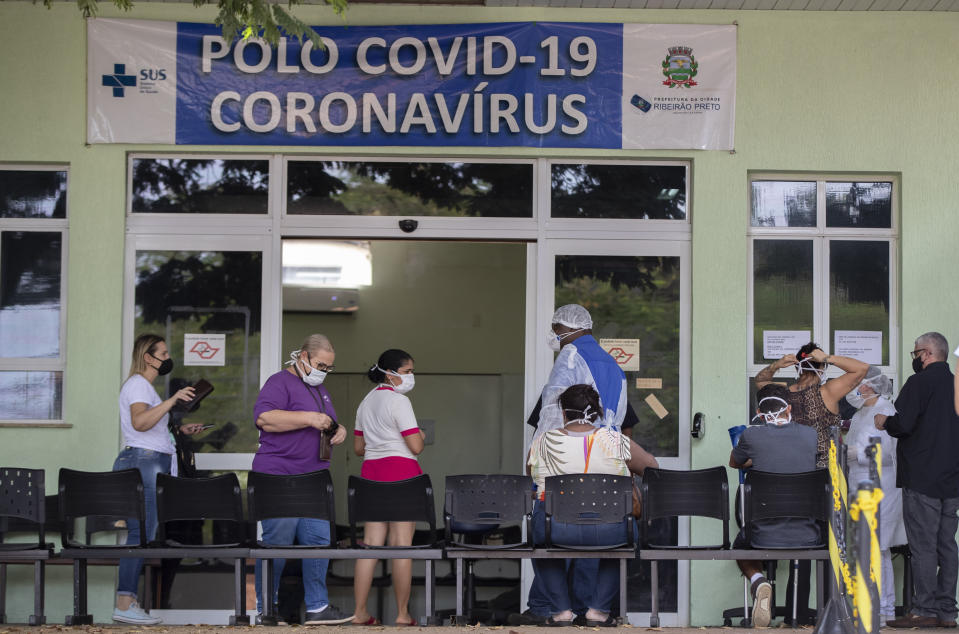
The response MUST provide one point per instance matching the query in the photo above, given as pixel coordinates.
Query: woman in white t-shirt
(147, 446)
(388, 438)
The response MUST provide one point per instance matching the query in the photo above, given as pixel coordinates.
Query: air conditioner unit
(324, 276)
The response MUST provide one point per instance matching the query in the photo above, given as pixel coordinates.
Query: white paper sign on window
(204, 349)
(865, 345)
(625, 351)
(778, 343)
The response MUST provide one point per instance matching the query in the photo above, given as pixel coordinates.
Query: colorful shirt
(296, 451)
(560, 453)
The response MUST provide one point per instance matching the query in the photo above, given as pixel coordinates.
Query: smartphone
(206, 427)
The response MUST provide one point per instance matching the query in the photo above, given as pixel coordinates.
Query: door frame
(541, 281)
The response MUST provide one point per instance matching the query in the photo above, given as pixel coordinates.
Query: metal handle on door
(698, 427)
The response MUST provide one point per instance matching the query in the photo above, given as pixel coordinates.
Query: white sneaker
(762, 602)
(135, 615)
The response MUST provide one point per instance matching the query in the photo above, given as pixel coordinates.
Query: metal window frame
(47, 364)
(822, 236)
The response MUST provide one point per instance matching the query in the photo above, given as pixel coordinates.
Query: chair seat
(13, 546)
(464, 547)
(260, 544)
(614, 547)
(675, 547)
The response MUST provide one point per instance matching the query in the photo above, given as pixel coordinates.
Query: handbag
(637, 511)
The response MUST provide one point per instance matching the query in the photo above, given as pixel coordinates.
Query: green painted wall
(825, 91)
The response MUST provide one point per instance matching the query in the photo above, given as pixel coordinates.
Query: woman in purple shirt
(291, 412)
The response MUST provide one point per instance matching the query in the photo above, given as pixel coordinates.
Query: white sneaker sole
(762, 605)
(132, 621)
(329, 621)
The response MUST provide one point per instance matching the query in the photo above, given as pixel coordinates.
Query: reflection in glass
(484, 190)
(859, 288)
(782, 289)
(783, 204)
(207, 292)
(30, 294)
(655, 192)
(31, 395)
(634, 298)
(33, 194)
(200, 186)
(859, 205)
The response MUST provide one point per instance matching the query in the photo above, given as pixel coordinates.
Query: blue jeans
(603, 587)
(584, 574)
(281, 532)
(150, 463)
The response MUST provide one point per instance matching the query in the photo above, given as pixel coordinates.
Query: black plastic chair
(408, 500)
(87, 494)
(774, 496)
(589, 499)
(22, 502)
(272, 496)
(476, 505)
(698, 493)
(218, 498)
(668, 493)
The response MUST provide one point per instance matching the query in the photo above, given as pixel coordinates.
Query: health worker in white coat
(872, 396)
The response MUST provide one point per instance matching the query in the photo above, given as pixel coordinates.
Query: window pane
(30, 293)
(783, 204)
(33, 194)
(859, 288)
(200, 186)
(31, 395)
(215, 293)
(782, 289)
(859, 205)
(655, 192)
(634, 298)
(484, 190)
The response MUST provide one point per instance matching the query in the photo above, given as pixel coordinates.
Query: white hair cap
(879, 382)
(573, 315)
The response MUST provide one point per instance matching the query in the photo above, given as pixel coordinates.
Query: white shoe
(762, 602)
(135, 615)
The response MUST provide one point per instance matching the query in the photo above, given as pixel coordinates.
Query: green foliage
(242, 18)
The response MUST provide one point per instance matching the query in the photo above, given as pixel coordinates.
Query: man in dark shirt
(779, 446)
(927, 427)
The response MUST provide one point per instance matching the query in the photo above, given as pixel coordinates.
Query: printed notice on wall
(778, 343)
(204, 349)
(625, 351)
(864, 345)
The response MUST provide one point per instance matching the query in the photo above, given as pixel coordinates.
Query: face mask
(310, 375)
(554, 341)
(917, 365)
(407, 381)
(773, 418)
(855, 399)
(807, 365)
(166, 366)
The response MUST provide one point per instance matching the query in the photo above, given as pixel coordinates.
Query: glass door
(205, 296)
(637, 292)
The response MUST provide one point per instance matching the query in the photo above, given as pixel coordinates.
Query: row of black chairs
(474, 504)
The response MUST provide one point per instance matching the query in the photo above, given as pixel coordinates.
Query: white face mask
(806, 365)
(554, 341)
(774, 418)
(855, 399)
(310, 375)
(407, 381)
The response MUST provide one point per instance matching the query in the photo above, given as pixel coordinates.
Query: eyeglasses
(915, 353)
(322, 367)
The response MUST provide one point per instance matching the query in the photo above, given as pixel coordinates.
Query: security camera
(408, 226)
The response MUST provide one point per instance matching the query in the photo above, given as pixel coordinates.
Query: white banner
(204, 349)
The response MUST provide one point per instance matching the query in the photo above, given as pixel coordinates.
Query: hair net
(573, 315)
(879, 382)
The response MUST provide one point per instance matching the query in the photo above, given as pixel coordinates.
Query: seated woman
(581, 447)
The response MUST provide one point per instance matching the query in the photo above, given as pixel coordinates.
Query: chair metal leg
(239, 616)
(430, 593)
(147, 587)
(746, 610)
(3, 593)
(795, 567)
(268, 616)
(654, 589)
(37, 618)
(459, 590)
(622, 591)
(80, 615)
(820, 586)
